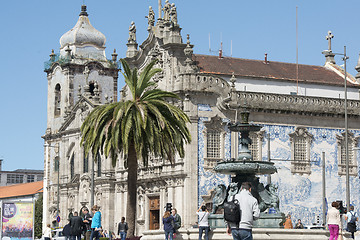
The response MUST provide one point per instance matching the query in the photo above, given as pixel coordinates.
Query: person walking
(95, 223)
(177, 220)
(87, 223)
(203, 222)
(122, 228)
(288, 223)
(249, 212)
(47, 233)
(351, 218)
(76, 224)
(168, 221)
(333, 220)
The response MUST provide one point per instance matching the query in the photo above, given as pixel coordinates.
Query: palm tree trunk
(131, 189)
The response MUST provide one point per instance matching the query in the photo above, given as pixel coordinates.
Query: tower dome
(83, 39)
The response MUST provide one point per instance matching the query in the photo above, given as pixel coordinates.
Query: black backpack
(232, 212)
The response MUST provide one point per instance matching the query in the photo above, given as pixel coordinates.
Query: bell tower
(79, 78)
(80, 69)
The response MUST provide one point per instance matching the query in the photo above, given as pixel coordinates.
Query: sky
(247, 29)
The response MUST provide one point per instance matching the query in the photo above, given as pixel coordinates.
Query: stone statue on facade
(269, 197)
(166, 9)
(219, 197)
(132, 33)
(151, 18)
(173, 14)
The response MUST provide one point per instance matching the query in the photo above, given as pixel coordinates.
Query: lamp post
(346, 136)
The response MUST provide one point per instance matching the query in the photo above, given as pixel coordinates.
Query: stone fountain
(245, 169)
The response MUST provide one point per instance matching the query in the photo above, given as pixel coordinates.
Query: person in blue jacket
(168, 221)
(95, 223)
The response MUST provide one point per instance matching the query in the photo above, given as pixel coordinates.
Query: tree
(142, 127)
(38, 216)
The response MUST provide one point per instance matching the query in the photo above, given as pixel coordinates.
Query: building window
(213, 144)
(30, 178)
(214, 137)
(300, 141)
(256, 145)
(56, 164)
(39, 177)
(352, 143)
(72, 166)
(85, 163)
(98, 159)
(57, 106)
(15, 178)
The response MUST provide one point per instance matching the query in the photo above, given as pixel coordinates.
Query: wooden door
(154, 207)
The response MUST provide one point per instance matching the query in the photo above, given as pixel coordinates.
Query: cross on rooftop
(329, 37)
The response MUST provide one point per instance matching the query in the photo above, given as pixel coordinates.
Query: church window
(56, 164)
(256, 145)
(300, 141)
(57, 105)
(214, 137)
(98, 165)
(92, 88)
(72, 169)
(352, 143)
(85, 163)
(213, 144)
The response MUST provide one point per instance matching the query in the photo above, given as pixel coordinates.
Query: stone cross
(329, 37)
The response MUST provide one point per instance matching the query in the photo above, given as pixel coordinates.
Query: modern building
(300, 108)
(19, 176)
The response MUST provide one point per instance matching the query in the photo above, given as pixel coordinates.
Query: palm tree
(146, 125)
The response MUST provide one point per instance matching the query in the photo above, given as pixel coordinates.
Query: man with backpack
(249, 211)
(351, 217)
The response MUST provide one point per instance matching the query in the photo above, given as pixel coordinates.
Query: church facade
(298, 107)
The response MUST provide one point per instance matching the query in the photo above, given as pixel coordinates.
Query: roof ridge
(258, 60)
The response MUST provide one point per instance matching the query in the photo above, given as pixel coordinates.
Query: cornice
(283, 103)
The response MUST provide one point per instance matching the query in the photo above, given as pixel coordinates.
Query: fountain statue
(245, 169)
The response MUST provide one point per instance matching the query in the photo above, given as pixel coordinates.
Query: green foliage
(148, 121)
(38, 217)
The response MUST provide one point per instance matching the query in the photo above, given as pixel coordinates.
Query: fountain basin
(245, 167)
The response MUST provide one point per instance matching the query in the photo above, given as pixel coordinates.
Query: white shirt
(203, 219)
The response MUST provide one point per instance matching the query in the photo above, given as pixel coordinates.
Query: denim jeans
(169, 235)
(123, 235)
(242, 234)
(201, 229)
(94, 234)
(77, 237)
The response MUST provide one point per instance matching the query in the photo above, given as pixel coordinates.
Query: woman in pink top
(333, 221)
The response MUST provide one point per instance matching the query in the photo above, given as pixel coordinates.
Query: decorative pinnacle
(83, 11)
(188, 39)
(233, 80)
(114, 55)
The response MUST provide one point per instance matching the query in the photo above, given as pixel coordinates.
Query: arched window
(72, 166)
(57, 106)
(98, 165)
(56, 164)
(85, 163)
